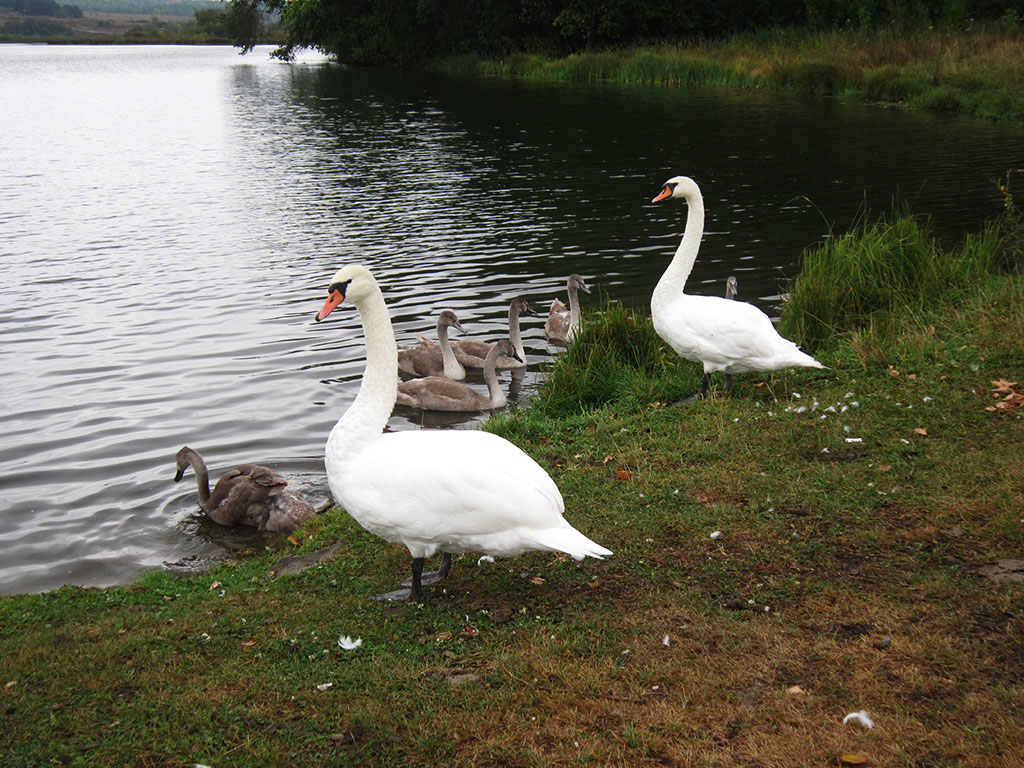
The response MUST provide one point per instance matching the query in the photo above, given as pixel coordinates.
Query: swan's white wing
(726, 335)
(454, 490)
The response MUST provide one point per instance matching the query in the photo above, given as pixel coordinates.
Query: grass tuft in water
(880, 272)
(616, 357)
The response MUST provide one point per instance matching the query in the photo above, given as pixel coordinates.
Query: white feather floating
(861, 718)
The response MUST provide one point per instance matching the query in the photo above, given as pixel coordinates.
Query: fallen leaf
(213, 586)
(537, 580)
(853, 758)
(795, 690)
(893, 371)
(606, 459)
(293, 540)
(920, 431)
(624, 474)
(1003, 386)
(249, 643)
(911, 375)
(884, 467)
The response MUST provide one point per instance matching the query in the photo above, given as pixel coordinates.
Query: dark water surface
(170, 218)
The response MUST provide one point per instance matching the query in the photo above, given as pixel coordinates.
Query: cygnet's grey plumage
(472, 353)
(436, 393)
(564, 322)
(429, 359)
(246, 495)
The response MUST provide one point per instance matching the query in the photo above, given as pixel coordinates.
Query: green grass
(976, 72)
(618, 357)
(855, 504)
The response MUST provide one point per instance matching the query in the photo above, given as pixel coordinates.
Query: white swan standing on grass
(563, 324)
(429, 359)
(723, 334)
(453, 491)
(437, 393)
(472, 353)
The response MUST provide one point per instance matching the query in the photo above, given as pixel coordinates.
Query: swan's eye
(341, 288)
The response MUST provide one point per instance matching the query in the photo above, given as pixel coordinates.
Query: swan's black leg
(415, 584)
(446, 566)
(705, 382)
(432, 577)
(728, 382)
(416, 590)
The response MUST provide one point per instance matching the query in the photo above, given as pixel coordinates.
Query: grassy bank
(863, 514)
(977, 73)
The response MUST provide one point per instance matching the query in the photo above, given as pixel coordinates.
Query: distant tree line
(43, 8)
(406, 31)
(150, 7)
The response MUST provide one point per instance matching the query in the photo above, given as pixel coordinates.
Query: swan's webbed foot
(398, 595)
(705, 382)
(419, 578)
(432, 577)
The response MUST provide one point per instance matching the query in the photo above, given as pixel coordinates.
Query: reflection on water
(170, 219)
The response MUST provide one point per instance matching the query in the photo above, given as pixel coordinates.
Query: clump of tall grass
(879, 274)
(616, 357)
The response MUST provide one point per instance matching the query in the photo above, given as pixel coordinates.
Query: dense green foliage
(409, 31)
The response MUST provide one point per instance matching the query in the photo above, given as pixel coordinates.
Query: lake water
(170, 218)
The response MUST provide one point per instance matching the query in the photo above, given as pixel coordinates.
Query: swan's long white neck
(672, 282)
(365, 419)
(513, 330)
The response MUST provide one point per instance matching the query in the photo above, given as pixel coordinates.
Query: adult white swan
(452, 491)
(562, 323)
(723, 334)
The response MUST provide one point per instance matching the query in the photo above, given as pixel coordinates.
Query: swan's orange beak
(333, 300)
(666, 191)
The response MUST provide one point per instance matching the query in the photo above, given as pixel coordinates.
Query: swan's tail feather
(572, 542)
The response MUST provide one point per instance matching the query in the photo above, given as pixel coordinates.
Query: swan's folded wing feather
(269, 479)
(726, 335)
(459, 483)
